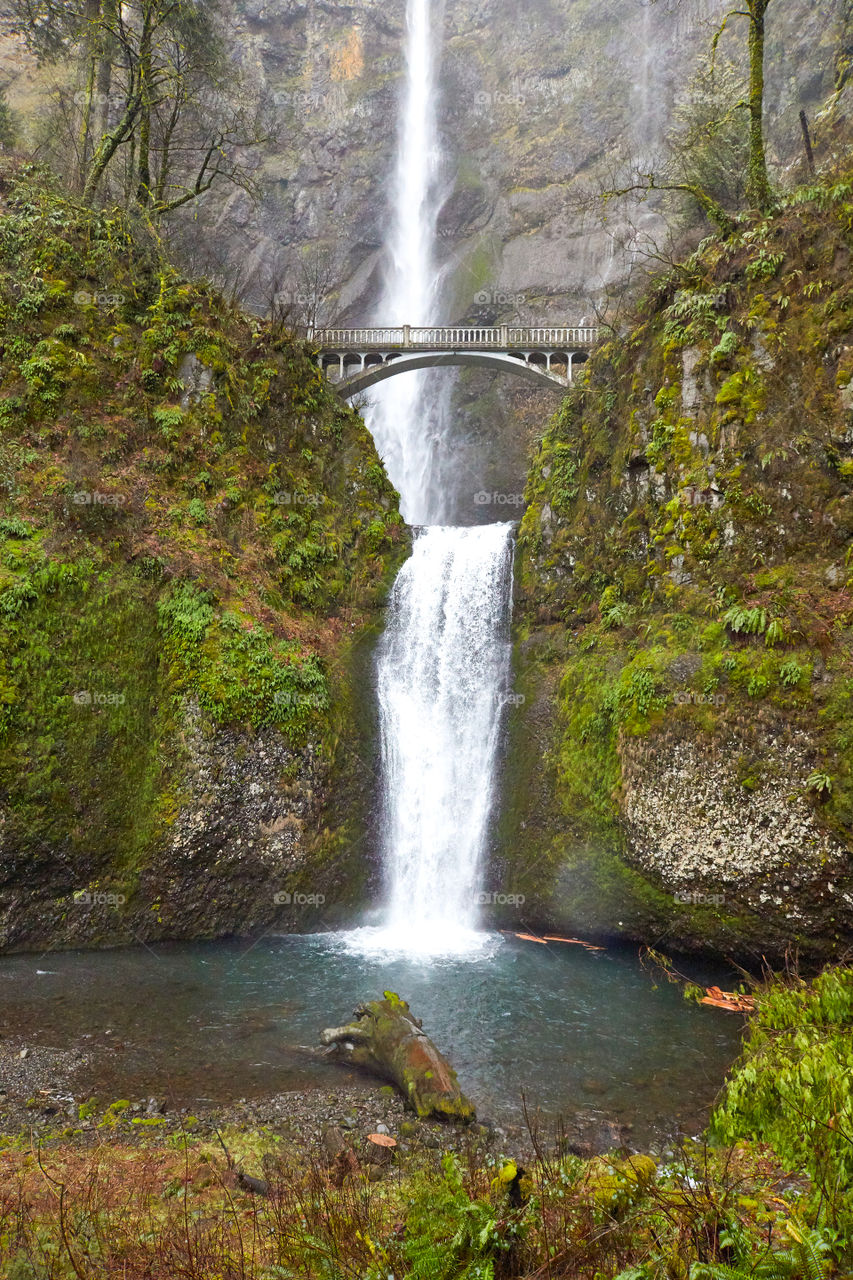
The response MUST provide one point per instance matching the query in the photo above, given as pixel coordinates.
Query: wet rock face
(713, 833)
(532, 111)
(240, 855)
(235, 856)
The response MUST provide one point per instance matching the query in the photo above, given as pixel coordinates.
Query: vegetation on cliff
(684, 571)
(188, 516)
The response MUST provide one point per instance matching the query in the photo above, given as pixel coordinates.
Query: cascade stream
(444, 662)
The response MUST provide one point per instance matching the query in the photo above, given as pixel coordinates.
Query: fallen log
(387, 1039)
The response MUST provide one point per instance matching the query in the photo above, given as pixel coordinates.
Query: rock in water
(385, 1038)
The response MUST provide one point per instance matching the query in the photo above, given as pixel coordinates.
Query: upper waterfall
(400, 420)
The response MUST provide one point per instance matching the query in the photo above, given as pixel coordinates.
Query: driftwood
(386, 1039)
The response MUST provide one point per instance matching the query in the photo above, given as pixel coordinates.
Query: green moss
(158, 546)
(81, 719)
(707, 545)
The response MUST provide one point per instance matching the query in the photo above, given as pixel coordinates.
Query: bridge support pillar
(407, 335)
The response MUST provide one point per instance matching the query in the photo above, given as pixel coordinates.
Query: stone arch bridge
(355, 359)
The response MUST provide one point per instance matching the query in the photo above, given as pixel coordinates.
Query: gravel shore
(47, 1092)
(44, 1091)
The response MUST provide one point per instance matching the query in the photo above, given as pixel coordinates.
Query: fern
(746, 621)
(449, 1236)
(618, 615)
(775, 633)
(771, 1269)
(805, 1256)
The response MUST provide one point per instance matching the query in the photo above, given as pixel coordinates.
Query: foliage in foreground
(713, 1212)
(793, 1088)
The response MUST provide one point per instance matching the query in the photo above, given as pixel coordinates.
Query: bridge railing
(432, 337)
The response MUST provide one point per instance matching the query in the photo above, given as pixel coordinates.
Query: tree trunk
(91, 20)
(385, 1038)
(758, 183)
(143, 187)
(103, 83)
(107, 148)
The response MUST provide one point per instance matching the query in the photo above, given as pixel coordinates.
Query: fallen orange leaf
(590, 946)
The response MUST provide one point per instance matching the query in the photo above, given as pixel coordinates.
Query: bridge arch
(354, 377)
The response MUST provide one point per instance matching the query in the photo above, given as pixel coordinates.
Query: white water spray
(444, 662)
(443, 672)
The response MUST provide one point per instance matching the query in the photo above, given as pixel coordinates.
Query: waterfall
(443, 665)
(443, 671)
(400, 420)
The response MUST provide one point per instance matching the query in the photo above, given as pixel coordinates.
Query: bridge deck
(455, 337)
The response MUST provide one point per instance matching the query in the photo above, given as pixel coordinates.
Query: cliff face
(533, 112)
(685, 652)
(529, 111)
(195, 537)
